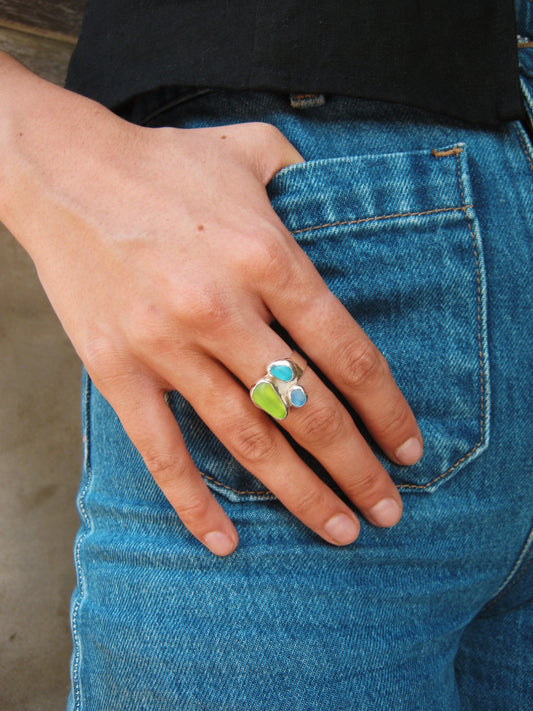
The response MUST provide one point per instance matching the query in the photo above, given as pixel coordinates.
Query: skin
(164, 261)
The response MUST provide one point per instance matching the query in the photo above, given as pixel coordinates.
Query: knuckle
(203, 310)
(193, 509)
(278, 267)
(275, 151)
(324, 424)
(266, 259)
(169, 475)
(363, 486)
(97, 353)
(361, 367)
(145, 328)
(397, 419)
(308, 500)
(252, 442)
(161, 466)
(267, 132)
(104, 362)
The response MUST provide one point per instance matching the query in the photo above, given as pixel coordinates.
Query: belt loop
(307, 101)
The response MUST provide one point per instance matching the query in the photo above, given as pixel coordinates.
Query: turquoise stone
(266, 397)
(282, 370)
(298, 396)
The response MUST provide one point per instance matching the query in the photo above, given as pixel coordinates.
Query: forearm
(23, 100)
(49, 138)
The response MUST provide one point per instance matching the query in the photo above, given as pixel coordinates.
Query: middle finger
(255, 441)
(323, 427)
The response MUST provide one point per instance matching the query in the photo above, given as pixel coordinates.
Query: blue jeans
(424, 229)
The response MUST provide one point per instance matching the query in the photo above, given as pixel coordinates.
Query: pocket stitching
(362, 220)
(456, 151)
(464, 207)
(236, 491)
(480, 344)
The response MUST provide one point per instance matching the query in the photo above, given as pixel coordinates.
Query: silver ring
(279, 390)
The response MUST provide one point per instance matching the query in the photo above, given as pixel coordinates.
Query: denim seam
(524, 146)
(510, 580)
(76, 682)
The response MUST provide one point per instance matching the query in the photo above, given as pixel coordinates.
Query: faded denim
(423, 227)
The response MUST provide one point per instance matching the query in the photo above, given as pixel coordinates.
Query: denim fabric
(524, 21)
(423, 228)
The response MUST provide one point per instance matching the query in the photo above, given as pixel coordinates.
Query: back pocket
(396, 239)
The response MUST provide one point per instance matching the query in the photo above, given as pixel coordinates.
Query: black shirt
(453, 57)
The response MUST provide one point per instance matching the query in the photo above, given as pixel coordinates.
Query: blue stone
(281, 370)
(298, 396)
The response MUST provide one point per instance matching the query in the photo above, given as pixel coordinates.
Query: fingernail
(386, 513)
(342, 529)
(409, 452)
(219, 543)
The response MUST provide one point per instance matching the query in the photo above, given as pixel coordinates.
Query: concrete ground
(40, 462)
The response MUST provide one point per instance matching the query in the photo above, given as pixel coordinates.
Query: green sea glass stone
(265, 396)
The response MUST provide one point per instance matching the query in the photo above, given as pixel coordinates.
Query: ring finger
(323, 427)
(255, 441)
(326, 430)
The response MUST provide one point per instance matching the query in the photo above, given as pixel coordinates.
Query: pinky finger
(155, 433)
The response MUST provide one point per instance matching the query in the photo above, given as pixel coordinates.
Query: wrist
(23, 95)
(51, 140)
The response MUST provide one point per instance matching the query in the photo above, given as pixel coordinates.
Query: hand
(164, 260)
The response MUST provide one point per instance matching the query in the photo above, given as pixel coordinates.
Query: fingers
(328, 334)
(153, 430)
(324, 428)
(256, 442)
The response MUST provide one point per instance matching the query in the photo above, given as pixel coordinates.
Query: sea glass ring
(278, 390)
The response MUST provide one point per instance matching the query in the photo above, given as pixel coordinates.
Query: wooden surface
(45, 56)
(58, 19)
(41, 34)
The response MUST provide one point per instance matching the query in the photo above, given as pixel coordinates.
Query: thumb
(269, 148)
